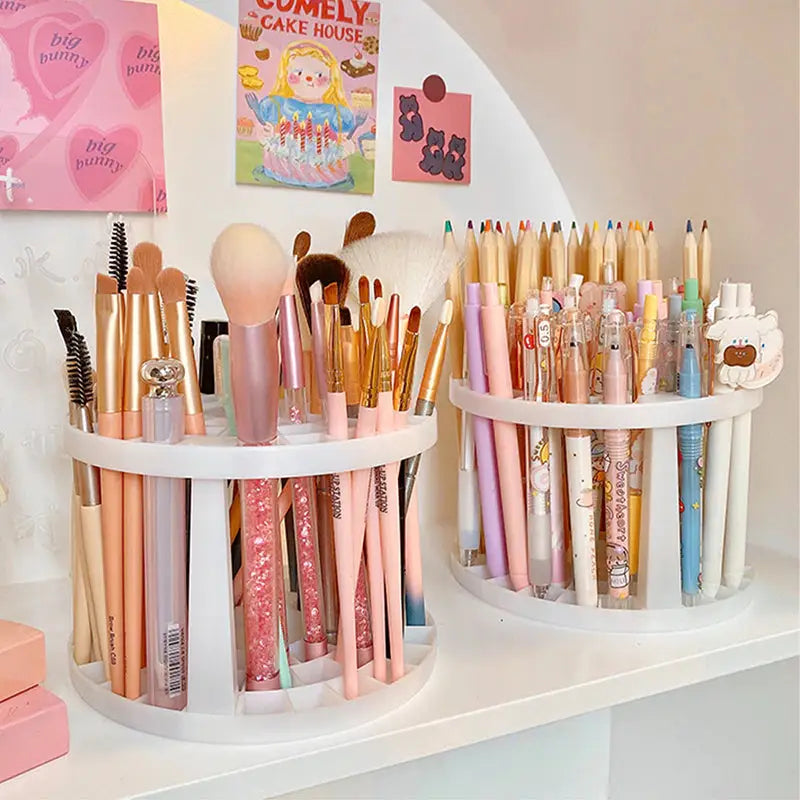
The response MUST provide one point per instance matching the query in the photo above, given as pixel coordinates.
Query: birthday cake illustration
(301, 154)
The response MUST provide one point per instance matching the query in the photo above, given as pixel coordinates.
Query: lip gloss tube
(165, 542)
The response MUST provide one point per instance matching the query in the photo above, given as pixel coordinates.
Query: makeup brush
(82, 614)
(360, 226)
(148, 258)
(118, 261)
(249, 269)
(417, 266)
(172, 287)
(377, 289)
(134, 389)
(364, 318)
(67, 324)
(302, 244)
(191, 301)
(109, 324)
(341, 499)
(326, 269)
(81, 390)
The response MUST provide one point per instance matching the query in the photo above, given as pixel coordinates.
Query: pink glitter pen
(249, 269)
(303, 489)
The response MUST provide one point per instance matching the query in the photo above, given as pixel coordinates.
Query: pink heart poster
(80, 107)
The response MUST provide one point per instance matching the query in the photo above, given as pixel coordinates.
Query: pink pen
(505, 436)
(644, 287)
(617, 461)
(558, 519)
(488, 480)
(303, 489)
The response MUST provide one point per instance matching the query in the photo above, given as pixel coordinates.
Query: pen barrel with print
(690, 443)
(540, 551)
(469, 509)
(618, 449)
(165, 561)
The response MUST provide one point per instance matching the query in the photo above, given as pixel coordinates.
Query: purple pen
(488, 481)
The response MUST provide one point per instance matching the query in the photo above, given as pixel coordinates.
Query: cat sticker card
(431, 134)
(80, 107)
(307, 94)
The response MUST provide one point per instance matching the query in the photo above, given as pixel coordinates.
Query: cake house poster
(307, 81)
(80, 107)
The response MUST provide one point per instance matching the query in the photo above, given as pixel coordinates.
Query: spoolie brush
(79, 371)
(191, 300)
(118, 261)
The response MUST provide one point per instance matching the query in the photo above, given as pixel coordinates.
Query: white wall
(199, 58)
(669, 110)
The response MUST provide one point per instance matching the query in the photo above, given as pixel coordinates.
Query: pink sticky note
(431, 141)
(33, 731)
(22, 658)
(80, 118)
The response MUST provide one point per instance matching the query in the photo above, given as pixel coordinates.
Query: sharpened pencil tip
(688, 226)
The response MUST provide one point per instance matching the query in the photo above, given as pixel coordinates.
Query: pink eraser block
(33, 731)
(22, 661)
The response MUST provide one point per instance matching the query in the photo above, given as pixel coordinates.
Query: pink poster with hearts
(80, 106)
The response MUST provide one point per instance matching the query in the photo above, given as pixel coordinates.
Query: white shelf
(495, 674)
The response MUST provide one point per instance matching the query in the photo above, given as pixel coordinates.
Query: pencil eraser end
(33, 731)
(22, 658)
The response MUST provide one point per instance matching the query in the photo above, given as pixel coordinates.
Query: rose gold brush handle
(81, 628)
(92, 527)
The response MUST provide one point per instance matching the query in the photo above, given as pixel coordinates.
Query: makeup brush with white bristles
(413, 265)
(249, 269)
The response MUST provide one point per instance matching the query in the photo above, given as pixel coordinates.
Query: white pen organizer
(581, 508)
(218, 707)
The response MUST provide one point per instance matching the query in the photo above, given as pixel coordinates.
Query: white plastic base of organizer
(315, 706)
(563, 612)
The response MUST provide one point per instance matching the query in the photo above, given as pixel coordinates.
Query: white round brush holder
(658, 604)
(218, 709)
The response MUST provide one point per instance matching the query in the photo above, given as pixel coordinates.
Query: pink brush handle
(413, 547)
(365, 426)
(376, 590)
(388, 500)
(133, 561)
(260, 582)
(343, 541)
(506, 446)
(110, 425)
(363, 627)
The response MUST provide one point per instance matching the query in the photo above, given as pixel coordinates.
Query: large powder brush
(412, 265)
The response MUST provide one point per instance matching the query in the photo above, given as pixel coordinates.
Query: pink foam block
(33, 731)
(22, 661)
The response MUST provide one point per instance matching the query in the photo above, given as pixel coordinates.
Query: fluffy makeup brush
(326, 269)
(249, 269)
(416, 266)
(118, 261)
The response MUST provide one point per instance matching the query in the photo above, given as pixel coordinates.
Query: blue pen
(690, 443)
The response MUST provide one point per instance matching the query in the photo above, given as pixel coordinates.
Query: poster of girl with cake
(307, 80)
